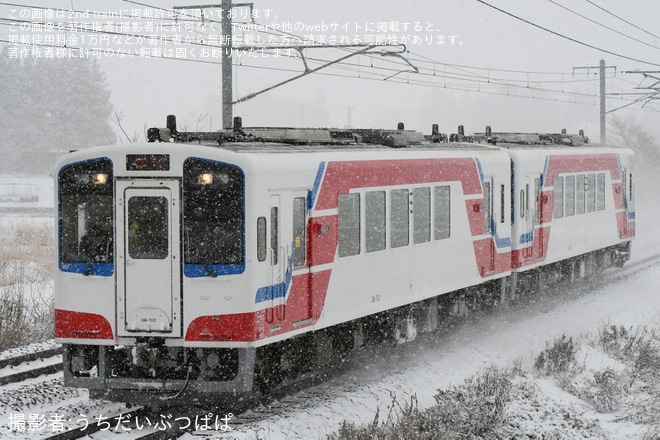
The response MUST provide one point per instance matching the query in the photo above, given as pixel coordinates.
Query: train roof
(282, 140)
(275, 147)
(259, 140)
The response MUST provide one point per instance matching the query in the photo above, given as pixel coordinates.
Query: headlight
(99, 178)
(205, 179)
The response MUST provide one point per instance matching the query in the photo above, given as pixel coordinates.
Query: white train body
(185, 267)
(569, 201)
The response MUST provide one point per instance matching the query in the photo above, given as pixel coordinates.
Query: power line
(429, 84)
(625, 21)
(565, 36)
(602, 25)
(478, 80)
(430, 60)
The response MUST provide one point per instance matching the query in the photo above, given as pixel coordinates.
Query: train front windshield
(213, 218)
(85, 217)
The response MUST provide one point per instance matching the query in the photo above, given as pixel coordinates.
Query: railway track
(630, 269)
(30, 365)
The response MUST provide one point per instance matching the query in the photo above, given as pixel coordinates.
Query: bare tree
(632, 135)
(118, 119)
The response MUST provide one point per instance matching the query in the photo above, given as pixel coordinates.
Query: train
(216, 266)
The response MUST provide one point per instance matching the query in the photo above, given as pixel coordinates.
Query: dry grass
(474, 409)
(505, 403)
(26, 274)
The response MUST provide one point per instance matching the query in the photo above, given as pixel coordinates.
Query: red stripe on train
(340, 177)
(304, 305)
(81, 325)
(581, 163)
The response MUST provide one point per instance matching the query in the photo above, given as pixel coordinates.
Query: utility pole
(603, 111)
(227, 80)
(603, 122)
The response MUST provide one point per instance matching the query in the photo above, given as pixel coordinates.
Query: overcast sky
(464, 62)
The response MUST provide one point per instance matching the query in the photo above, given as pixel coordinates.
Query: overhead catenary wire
(566, 37)
(621, 19)
(591, 20)
(449, 86)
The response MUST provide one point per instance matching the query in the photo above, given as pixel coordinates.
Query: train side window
(537, 201)
(569, 195)
(559, 197)
(375, 226)
(261, 239)
(487, 207)
(600, 192)
(624, 187)
(502, 199)
(523, 203)
(441, 212)
(399, 218)
(422, 215)
(591, 192)
(630, 192)
(580, 182)
(274, 239)
(349, 224)
(299, 239)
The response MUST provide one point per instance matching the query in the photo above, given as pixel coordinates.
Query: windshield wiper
(89, 268)
(209, 271)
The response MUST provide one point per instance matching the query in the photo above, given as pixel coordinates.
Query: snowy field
(26, 192)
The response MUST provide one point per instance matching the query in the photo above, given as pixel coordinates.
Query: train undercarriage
(151, 373)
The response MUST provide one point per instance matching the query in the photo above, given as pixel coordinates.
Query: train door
(626, 200)
(531, 211)
(488, 223)
(277, 285)
(537, 208)
(302, 299)
(288, 252)
(148, 273)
